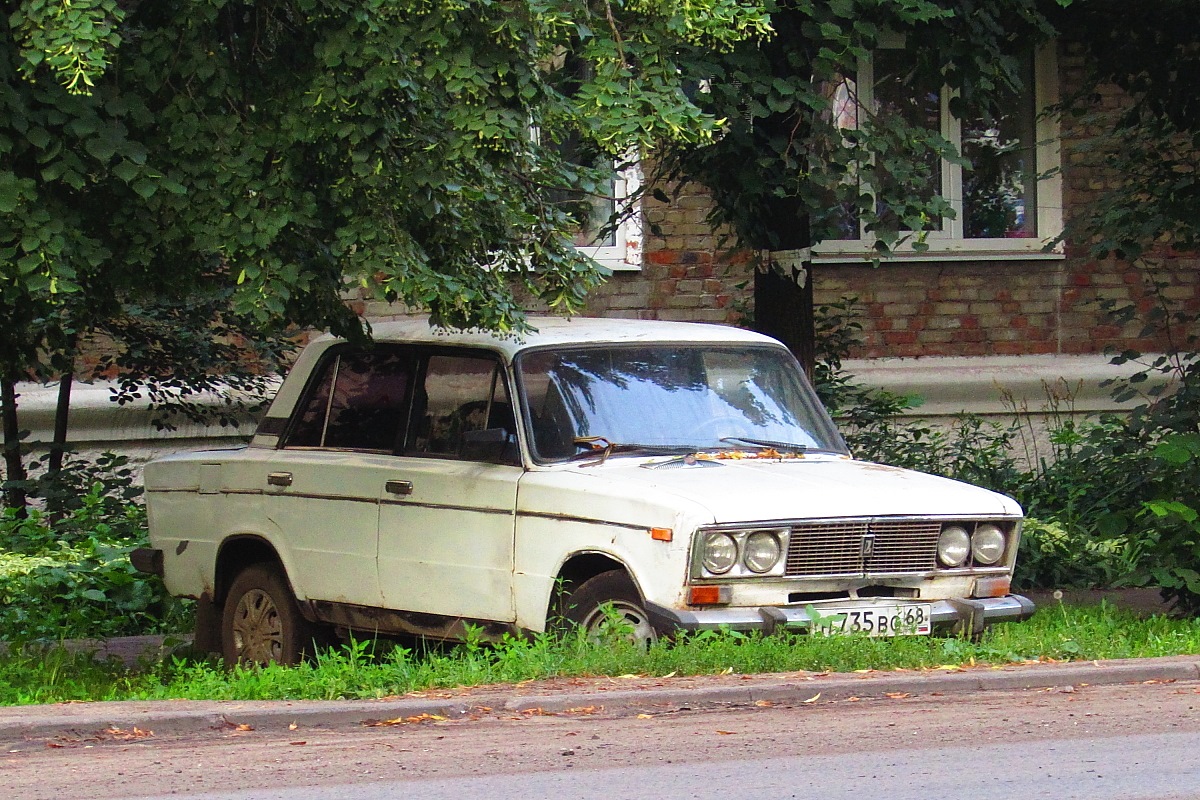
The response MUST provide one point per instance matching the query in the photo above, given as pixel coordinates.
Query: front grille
(863, 547)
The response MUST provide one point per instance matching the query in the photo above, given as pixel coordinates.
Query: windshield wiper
(602, 448)
(791, 447)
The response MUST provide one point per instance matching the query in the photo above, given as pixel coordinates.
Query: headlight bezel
(740, 568)
(1004, 533)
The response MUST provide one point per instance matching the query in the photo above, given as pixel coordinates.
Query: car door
(323, 484)
(446, 519)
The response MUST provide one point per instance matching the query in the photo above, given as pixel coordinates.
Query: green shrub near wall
(70, 577)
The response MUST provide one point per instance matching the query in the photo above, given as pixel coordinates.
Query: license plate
(891, 620)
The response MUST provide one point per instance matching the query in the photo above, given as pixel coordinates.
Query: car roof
(548, 330)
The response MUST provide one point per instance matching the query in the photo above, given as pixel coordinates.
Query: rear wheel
(261, 623)
(610, 604)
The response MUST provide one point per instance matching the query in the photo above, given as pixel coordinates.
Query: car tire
(261, 623)
(586, 606)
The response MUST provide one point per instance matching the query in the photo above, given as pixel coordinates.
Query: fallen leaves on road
(237, 727)
(727, 733)
(127, 735)
(111, 732)
(813, 699)
(897, 695)
(416, 719)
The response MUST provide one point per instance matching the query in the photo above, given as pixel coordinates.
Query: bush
(1054, 556)
(1082, 497)
(68, 575)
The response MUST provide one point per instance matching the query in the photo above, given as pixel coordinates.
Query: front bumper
(962, 616)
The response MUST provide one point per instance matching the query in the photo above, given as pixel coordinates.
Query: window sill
(865, 257)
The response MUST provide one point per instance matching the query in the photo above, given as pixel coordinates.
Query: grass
(366, 670)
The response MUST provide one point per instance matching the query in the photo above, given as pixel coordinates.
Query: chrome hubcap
(626, 620)
(257, 629)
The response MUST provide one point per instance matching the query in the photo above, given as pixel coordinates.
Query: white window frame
(625, 255)
(949, 244)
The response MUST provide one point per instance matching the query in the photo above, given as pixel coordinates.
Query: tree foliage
(291, 146)
(276, 153)
(1148, 142)
(784, 173)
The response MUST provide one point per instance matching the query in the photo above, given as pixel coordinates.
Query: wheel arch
(238, 552)
(579, 567)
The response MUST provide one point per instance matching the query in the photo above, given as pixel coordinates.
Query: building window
(616, 249)
(1008, 203)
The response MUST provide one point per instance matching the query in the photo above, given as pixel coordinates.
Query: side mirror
(492, 445)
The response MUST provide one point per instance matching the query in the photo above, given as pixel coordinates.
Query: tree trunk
(14, 465)
(783, 308)
(62, 412)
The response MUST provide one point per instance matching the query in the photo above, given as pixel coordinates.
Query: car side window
(358, 402)
(460, 394)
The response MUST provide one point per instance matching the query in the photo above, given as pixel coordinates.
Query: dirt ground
(128, 763)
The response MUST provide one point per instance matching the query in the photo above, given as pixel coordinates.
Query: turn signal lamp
(662, 534)
(708, 595)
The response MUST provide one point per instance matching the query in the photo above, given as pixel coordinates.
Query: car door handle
(279, 478)
(398, 487)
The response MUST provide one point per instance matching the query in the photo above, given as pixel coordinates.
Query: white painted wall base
(998, 385)
(995, 387)
(97, 424)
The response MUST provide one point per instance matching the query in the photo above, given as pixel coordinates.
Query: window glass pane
(898, 92)
(457, 399)
(590, 210)
(1000, 189)
(368, 401)
(309, 427)
(841, 220)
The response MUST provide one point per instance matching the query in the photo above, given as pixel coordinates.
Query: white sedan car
(683, 475)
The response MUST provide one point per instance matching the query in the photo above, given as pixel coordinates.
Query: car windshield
(701, 397)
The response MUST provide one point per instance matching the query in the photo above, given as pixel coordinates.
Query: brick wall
(686, 273)
(975, 308)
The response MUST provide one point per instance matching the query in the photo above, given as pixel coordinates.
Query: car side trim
(587, 520)
(508, 512)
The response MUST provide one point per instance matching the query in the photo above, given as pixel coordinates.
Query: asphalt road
(1102, 731)
(1145, 767)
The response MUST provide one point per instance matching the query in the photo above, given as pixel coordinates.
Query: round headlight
(761, 552)
(987, 544)
(954, 545)
(720, 553)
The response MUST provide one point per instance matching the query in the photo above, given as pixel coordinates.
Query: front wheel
(261, 623)
(609, 604)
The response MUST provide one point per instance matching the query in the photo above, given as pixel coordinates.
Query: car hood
(812, 487)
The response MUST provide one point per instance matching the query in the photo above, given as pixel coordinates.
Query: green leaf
(10, 195)
(126, 171)
(146, 188)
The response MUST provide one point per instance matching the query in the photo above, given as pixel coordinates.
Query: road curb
(105, 720)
